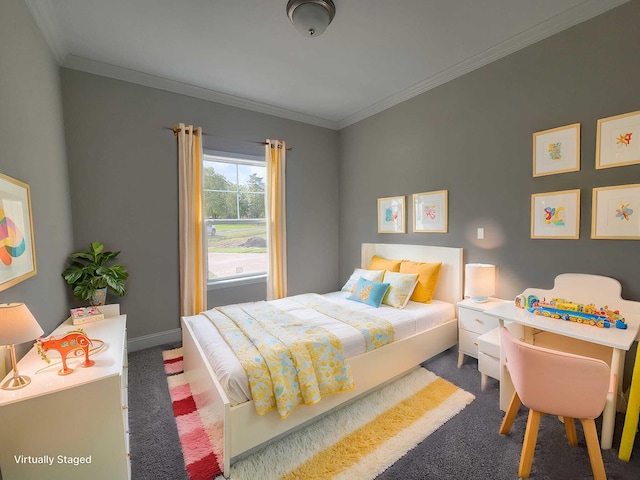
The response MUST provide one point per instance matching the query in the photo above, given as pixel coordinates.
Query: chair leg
(593, 446)
(529, 445)
(511, 414)
(570, 428)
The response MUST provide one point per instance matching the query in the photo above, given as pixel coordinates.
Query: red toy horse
(74, 341)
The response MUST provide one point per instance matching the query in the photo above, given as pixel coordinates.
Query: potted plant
(90, 277)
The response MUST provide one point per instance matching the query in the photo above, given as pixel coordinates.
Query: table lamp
(17, 325)
(480, 281)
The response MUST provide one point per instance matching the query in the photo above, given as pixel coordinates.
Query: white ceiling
(375, 54)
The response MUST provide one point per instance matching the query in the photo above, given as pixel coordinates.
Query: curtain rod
(175, 131)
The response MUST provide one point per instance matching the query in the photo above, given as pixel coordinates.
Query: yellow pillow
(379, 263)
(428, 274)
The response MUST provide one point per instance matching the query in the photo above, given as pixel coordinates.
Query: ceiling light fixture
(311, 17)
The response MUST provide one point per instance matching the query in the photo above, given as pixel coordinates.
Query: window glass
(235, 216)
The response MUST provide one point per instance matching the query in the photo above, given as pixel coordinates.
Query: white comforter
(414, 318)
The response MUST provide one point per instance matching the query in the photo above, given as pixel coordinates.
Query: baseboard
(155, 339)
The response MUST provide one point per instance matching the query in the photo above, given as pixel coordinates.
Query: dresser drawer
(468, 343)
(476, 321)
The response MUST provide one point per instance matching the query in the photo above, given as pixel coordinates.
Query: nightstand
(472, 322)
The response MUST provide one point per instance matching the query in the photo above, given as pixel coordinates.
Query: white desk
(615, 341)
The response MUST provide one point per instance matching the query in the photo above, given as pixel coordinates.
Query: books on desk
(85, 315)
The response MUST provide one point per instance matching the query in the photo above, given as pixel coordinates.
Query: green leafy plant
(88, 272)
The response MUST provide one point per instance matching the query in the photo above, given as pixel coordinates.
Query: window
(235, 216)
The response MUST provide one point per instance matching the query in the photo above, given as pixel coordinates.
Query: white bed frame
(244, 429)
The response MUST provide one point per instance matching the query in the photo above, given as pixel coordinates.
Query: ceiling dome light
(311, 17)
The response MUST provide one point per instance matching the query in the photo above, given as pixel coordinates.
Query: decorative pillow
(369, 292)
(373, 275)
(401, 287)
(428, 274)
(379, 263)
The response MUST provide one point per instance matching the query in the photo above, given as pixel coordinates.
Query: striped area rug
(358, 441)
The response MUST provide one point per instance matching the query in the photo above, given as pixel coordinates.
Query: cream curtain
(275, 154)
(193, 277)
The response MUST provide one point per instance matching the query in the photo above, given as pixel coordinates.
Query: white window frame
(248, 279)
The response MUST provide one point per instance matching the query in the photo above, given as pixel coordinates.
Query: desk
(615, 341)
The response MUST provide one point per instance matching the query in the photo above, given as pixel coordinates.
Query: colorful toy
(570, 311)
(74, 341)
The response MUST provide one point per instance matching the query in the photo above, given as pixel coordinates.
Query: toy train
(573, 312)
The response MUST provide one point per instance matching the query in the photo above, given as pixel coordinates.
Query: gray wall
(123, 174)
(473, 137)
(32, 150)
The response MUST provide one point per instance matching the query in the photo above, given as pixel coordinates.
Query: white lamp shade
(17, 324)
(480, 280)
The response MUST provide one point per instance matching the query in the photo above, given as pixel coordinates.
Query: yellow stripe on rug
(364, 438)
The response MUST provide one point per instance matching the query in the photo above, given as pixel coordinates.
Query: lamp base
(479, 299)
(16, 382)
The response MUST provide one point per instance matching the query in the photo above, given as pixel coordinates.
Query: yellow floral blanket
(287, 363)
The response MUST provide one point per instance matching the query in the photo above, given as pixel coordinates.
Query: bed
(242, 429)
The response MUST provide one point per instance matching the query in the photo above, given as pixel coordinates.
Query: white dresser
(472, 322)
(74, 426)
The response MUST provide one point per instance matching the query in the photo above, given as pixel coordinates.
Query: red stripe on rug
(200, 461)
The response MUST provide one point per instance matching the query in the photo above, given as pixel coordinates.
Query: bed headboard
(449, 287)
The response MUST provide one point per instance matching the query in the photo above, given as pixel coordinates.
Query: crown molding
(133, 76)
(42, 13)
(560, 22)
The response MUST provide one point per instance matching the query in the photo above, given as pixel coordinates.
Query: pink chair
(556, 383)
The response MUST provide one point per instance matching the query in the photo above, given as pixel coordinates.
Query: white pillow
(373, 275)
(400, 289)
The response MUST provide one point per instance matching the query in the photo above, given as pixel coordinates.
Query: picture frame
(615, 212)
(618, 141)
(391, 215)
(556, 215)
(556, 150)
(17, 250)
(430, 211)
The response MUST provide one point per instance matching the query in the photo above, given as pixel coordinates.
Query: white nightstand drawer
(488, 365)
(476, 321)
(468, 343)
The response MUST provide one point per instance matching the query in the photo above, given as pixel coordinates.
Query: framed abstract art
(391, 215)
(556, 150)
(430, 212)
(616, 212)
(618, 141)
(556, 215)
(17, 251)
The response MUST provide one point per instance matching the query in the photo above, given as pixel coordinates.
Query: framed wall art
(430, 212)
(556, 215)
(391, 215)
(616, 212)
(618, 140)
(556, 150)
(17, 251)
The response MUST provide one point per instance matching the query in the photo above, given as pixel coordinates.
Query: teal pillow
(369, 292)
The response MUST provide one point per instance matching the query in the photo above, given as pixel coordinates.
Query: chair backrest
(555, 382)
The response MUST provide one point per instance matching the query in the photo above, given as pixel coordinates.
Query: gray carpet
(467, 447)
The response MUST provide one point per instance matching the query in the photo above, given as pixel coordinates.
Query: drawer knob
(478, 320)
(475, 343)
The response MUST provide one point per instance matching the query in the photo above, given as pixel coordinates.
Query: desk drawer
(488, 365)
(476, 321)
